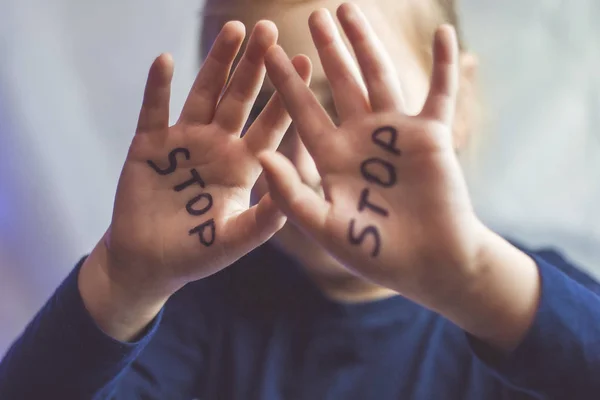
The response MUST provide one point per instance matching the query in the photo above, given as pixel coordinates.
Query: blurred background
(72, 74)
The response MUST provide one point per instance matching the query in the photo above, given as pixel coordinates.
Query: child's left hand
(396, 208)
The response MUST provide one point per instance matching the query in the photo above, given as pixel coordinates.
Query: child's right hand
(181, 210)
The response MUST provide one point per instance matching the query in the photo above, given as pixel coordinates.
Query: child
(376, 204)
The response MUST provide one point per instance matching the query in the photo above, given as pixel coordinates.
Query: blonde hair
(427, 16)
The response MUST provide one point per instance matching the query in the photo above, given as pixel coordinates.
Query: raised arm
(397, 211)
(182, 213)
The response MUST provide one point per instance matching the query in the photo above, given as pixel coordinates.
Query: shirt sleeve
(63, 354)
(560, 356)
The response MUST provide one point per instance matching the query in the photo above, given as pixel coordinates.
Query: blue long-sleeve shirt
(261, 330)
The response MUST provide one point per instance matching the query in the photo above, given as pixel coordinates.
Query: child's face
(295, 38)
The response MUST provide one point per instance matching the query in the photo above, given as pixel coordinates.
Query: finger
(269, 128)
(236, 103)
(154, 114)
(348, 90)
(255, 226)
(441, 101)
(301, 204)
(379, 73)
(308, 115)
(199, 108)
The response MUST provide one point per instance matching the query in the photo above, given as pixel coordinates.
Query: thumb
(298, 201)
(256, 225)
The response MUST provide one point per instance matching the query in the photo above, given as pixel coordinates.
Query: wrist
(499, 300)
(120, 308)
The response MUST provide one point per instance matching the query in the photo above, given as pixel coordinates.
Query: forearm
(63, 354)
(552, 352)
(499, 301)
(121, 312)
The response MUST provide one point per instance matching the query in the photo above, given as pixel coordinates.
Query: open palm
(182, 205)
(396, 207)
